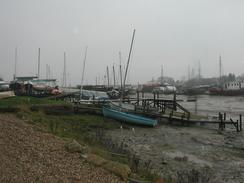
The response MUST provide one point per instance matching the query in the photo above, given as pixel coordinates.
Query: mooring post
(224, 120)
(174, 101)
(240, 122)
(221, 120)
(237, 125)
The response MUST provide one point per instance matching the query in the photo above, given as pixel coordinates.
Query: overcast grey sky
(172, 33)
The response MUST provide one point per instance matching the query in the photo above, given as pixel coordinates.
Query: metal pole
(128, 62)
(15, 60)
(114, 75)
(64, 72)
(161, 75)
(83, 71)
(39, 60)
(46, 71)
(120, 70)
(220, 70)
(108, 76)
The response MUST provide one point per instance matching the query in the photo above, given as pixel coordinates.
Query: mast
(64, 71)
(39, 62)
(161, 75)
(132, 41)
(114, 75)
(15, 62)
(199, 69)
(83, 72)
(120, 72)
(46, 71)
(49, 72)
(189, 73)
(220, 70)
(108, 75)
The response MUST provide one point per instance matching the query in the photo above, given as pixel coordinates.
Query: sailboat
(118, 114)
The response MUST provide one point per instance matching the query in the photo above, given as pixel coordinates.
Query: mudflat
(185, 154)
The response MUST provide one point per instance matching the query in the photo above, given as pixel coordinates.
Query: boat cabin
(234, 85)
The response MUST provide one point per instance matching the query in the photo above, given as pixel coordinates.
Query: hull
(129, 118)
(227, 92)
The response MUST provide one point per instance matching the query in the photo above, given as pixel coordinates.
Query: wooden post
(224, 116)
(142, 95)
(174, 107)
(220, 119)
(237, 125)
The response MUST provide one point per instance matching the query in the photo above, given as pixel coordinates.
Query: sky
(173, 34)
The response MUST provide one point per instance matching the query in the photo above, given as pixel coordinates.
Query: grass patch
(74, 126)
(25, 100)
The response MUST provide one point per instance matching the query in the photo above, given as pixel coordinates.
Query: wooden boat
(127, 117)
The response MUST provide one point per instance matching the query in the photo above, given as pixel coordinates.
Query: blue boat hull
(129, 118)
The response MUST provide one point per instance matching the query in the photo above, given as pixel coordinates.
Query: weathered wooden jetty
(176, 113)
(166, 110)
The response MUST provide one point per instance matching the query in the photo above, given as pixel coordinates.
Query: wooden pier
(157, 108)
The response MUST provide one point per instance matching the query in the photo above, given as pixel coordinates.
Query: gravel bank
(29, 155)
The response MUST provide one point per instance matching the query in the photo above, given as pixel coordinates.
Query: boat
(4, 86)
(196, 90)
(233, 88)
(165, 88)
(128, 117)
(33, 86)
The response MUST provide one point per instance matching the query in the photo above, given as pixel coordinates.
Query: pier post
(237, 125)
(221, 121)
(174, 105)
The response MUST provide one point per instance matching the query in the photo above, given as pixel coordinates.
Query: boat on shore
(4, 86)
(128, 117)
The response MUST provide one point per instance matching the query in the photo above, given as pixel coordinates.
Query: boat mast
(128, 63)
(114, 75)
(161, 75)
(83, 72)
(189, 73)
(39, 62)
(64, 71)
(108, 76)
(199, 70)
(120, 70)
(220, 70)
(15, 60)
